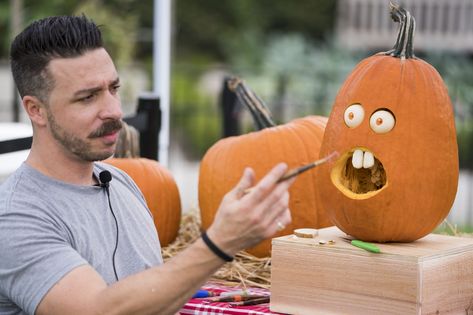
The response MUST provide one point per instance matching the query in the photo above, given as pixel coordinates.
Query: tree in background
(216, 29)
(214, 38)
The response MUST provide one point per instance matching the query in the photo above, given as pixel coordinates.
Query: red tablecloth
(203, 307)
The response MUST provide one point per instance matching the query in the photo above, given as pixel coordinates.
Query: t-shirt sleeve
(33, 261)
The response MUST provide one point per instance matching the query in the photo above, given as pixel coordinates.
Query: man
(70, 246)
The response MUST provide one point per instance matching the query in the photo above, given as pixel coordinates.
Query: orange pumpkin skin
(295, 143)
(419, 154)
(160, 191)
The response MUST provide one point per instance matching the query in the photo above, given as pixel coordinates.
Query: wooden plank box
(433, 275)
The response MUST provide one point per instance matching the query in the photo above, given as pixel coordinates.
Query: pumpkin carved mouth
(359, 174)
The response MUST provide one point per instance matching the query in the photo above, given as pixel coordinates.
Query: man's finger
(246, 181)
(275, 195)
(266, 184)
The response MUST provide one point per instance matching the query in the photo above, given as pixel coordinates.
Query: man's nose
(111, 107)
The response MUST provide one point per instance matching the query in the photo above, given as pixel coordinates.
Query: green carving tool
(370, 247)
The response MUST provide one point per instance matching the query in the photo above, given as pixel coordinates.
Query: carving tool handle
(370, 247)
(296, 171)
(366, 246)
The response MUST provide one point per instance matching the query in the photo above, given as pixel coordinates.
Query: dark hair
(47, 39)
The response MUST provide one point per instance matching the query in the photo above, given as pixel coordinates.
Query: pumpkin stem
(259, 110)
(404, 47)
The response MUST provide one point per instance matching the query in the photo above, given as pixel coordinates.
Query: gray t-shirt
(48, 228)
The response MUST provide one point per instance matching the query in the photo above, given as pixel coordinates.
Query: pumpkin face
(396, 178)
(160, 191)
(295, 143)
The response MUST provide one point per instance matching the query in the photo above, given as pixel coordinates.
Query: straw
(244, 271)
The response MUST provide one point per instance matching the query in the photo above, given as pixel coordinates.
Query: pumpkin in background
(160, 191)
(392, 123)
(295, 143)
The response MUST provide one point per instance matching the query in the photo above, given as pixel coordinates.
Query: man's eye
(115, 88)
(87, 98)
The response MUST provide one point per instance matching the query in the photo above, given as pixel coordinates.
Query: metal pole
(161, 70)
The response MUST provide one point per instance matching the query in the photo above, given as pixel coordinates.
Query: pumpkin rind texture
(295, 143)
(160, 191)
(414, 182)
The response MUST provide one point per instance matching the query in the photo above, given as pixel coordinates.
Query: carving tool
(257, 301)
(296, 171)
(236, 298)
(370, 247)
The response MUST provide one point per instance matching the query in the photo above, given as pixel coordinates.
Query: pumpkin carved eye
(382, 121)
(354, 115)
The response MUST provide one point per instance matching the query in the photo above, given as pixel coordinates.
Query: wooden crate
(433, 275)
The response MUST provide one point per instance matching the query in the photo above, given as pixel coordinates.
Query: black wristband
(217, 251)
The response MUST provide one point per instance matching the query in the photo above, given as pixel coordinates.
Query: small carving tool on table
(296, 171)
(255, 301)
(370, 247)
(235, 298)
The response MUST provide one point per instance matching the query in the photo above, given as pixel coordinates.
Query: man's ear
(35, 109)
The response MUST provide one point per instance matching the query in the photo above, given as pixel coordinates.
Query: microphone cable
(105, 178)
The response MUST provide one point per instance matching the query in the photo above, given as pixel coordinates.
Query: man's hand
(244, 220)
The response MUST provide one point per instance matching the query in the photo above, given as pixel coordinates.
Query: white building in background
(440, 24)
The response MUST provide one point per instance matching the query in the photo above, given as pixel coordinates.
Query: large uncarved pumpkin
(393, 124)
(295, 143)
(160, 191)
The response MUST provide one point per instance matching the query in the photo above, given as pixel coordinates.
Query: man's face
(84, 112)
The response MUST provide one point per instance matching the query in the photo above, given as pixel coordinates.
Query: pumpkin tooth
(357, 159)
(368, 160)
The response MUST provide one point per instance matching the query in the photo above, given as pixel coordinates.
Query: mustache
(107, 128)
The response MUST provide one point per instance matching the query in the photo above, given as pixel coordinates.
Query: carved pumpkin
(295, 143)
(393, 125)
(160, 191)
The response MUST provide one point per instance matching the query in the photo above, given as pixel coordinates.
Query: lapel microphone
(105, 177)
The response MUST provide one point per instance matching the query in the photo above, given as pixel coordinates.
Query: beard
(79, 147)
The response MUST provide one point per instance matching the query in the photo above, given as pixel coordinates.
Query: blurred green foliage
(284, 49)
(119, 25)
(196, 115)
(297, 73)
(219, 29)
(457, 72)
(120, 21)
(236, 34)
(206, 33)
(4, 27)
(453, 229)
(120, 47)
(465, 144)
